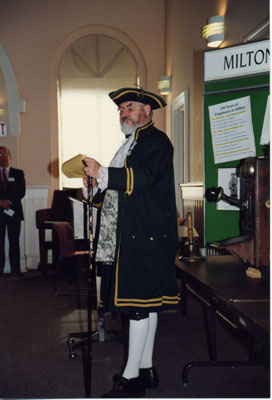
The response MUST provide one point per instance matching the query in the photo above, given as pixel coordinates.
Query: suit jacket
(15, 191)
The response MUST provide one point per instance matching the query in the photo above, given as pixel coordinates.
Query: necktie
(5, 180)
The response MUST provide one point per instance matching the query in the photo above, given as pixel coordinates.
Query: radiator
(35, 199)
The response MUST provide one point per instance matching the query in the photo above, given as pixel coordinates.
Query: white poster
(265, 137)
(230, 183)
(232, 131)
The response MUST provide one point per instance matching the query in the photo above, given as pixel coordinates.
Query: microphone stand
(101, 335)
(91, 274)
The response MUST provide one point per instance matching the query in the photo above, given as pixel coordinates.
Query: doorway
(180, 138)
(89, 69)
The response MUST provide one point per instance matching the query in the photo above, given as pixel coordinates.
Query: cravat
(5, 180)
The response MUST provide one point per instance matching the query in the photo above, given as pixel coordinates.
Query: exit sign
(3, 129)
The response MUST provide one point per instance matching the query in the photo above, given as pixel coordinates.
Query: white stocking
(141, 343)
(146, 361)
(138, 331)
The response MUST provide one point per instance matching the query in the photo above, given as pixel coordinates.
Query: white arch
(15, 105)
(77, 34)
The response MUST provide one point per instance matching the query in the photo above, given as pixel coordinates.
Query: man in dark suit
(12, 190)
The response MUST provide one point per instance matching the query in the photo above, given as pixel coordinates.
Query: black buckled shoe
(126, 388)
(149, 377)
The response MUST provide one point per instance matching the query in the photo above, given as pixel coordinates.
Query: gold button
(151, 238)
(133, 237)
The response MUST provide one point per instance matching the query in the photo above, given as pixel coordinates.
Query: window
(88, 121)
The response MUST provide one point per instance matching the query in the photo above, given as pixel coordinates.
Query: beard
(128, 129)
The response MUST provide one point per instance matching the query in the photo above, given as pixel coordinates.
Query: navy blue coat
(143, 276)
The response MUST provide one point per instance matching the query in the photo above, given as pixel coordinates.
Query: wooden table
(224, 289)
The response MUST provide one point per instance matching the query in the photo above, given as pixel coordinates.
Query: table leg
(210, 330)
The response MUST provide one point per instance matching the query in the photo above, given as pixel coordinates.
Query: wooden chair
(60, 210)
(67, 252)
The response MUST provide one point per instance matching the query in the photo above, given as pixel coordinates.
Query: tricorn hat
(134, 94)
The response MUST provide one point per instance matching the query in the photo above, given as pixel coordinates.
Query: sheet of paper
(9, 212)
(232, 130)
(78, 218)
(265, 137)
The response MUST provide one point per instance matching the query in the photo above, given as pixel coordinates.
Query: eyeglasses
(4, 155)
(128, 108)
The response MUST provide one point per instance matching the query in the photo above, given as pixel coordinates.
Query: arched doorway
(89, 69)
(56, 60)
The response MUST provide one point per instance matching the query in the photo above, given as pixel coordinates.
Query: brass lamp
(191, 251)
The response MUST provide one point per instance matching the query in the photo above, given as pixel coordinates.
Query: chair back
(61, 208)
(67, 244)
